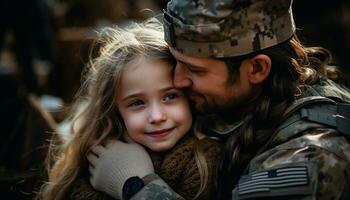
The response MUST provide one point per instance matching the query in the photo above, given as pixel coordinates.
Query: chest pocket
(292, 181)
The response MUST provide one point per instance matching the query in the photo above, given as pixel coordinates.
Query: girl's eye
(170, 96)
(136, 103)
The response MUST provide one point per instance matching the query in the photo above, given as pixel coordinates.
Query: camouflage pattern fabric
(323, 151)
(227, 28)
(156, 190)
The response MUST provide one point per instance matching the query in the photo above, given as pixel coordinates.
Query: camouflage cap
(227, 28)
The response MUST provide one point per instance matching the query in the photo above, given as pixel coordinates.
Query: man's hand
(112, 165)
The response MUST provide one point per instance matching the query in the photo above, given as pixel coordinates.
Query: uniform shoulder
(327, 139)
(315, 164)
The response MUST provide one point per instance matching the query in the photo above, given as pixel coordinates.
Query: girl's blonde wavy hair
(95, 119)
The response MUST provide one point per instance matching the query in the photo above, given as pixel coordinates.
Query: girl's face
(155, 114)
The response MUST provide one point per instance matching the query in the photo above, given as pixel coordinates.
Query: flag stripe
(254, 190)
(260, 174)
(291, 173)
(291, 169)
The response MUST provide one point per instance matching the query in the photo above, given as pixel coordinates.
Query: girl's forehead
(147, 77)
(146, 68)
(147, 62)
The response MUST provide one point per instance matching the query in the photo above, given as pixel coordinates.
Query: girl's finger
(97, 150)
(92, 158)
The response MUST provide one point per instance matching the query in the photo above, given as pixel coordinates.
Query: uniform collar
(220, 129)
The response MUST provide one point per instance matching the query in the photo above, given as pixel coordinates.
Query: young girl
(129, 90)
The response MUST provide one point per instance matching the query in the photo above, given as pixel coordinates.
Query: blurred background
(44, 46)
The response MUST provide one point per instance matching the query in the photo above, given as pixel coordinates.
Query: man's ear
(260, 67)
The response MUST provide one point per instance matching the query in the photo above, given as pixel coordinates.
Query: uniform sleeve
(314, 166)
(156, 189)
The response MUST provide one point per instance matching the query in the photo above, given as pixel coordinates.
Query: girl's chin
(161, 148)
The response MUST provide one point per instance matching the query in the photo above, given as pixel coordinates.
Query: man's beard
(230, 111)
(224, 111)
(203, 107)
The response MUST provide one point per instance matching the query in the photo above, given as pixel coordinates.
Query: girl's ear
(259, 70)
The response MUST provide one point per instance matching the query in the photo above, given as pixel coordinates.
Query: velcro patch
(264, 181)
(292, 179)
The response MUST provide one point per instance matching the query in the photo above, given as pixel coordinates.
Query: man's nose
(157, 114)
(181, 76)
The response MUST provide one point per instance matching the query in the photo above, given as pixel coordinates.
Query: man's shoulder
(313, 143)
(325, 138)
(315, 164)
(323, 176)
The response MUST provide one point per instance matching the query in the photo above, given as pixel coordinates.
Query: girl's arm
(112, 165)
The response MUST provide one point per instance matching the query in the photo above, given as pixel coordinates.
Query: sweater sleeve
(189, 181)
(82, 190)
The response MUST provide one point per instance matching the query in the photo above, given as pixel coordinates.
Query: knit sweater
(177, 167)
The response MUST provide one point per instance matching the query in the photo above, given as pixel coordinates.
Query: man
(284, 124)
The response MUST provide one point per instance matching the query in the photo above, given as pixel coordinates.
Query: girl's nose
(157, 114)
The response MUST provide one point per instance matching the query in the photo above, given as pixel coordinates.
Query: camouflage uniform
(308, 157)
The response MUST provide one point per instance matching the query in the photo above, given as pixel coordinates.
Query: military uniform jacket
(305, 159)
(309, 156)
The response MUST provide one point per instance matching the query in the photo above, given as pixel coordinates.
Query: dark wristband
(134, 184)
(131, 186)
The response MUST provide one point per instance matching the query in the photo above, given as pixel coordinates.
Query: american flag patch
(264, 181)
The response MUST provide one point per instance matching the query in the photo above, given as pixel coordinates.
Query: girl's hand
(112, 165)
